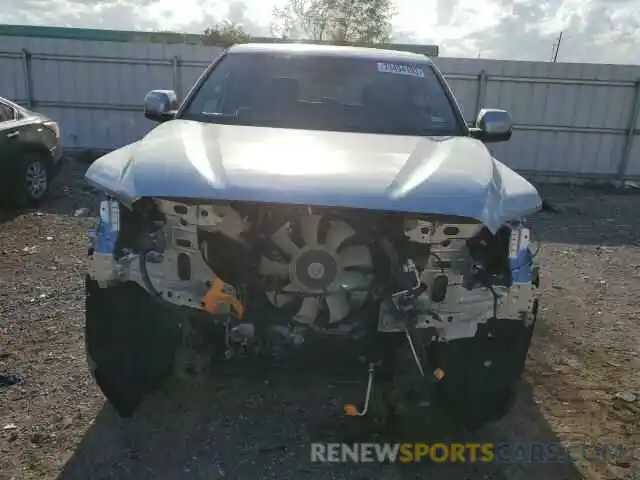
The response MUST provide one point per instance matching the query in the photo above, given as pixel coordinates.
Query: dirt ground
(55, 424)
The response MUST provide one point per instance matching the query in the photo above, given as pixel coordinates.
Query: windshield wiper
(218, 115)
(433, 132)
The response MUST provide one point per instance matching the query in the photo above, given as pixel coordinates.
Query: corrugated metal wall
(571, 120)
(95, 89)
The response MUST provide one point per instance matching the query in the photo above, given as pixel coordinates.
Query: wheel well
(39, 150)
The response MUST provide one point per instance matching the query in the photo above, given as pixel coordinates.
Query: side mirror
(492, 125)
(160, 105)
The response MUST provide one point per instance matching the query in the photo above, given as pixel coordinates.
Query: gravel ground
(55, 423)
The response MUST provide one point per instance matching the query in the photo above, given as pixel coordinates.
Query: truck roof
(330, 51)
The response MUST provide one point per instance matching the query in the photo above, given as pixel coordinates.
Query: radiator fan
(325, 274)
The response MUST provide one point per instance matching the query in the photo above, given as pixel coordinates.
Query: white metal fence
(575, 121)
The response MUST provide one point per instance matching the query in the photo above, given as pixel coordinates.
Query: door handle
(13, 134)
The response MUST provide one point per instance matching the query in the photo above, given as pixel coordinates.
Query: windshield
(324, 93)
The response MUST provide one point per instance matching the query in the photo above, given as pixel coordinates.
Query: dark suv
(30, 153)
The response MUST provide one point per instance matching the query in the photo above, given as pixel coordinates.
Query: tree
(225, 33)
(302, 19)
(337, 21)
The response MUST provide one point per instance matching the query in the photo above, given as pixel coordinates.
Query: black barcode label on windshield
(400, 69)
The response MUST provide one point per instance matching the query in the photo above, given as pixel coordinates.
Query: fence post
(631, 132)
(177, 77)
(26, 73)
(481, 92)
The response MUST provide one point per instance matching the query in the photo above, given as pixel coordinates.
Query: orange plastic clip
(350, 410)
(216, 296)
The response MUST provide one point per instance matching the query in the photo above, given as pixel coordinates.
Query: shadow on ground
(264, 431)
(588, 216)
(69, 195)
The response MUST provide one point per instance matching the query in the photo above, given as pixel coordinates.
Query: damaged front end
(431, 306)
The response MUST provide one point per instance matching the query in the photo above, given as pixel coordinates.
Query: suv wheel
(33, 180)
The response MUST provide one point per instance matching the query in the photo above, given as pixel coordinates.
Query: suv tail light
(54, 127)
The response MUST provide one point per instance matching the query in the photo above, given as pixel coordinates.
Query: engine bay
(294, 271)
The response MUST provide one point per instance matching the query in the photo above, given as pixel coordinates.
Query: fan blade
(283, 242)
(291, 288)
(279, 299)
(309, 226)
(308, 310)
(269, 267)
(352, 280)
(356, 256)
(339, 231)
(338, 306)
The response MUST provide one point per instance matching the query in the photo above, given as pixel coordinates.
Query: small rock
(81, 212)
(571, 362)
(10, 426)
(37, 437)
(626, 397)
(9, 379)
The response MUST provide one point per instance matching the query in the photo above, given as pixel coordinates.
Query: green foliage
(225, 33)
(336, 21)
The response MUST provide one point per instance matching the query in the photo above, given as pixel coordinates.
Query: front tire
(482, 373)
(130, 343)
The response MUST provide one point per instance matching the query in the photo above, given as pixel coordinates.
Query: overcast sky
(606, 31)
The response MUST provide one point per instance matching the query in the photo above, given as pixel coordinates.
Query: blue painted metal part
(520, 256)
(106, 234)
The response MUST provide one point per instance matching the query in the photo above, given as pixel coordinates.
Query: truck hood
(440, 175)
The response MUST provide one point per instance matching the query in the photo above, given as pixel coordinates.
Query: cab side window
(6, 113)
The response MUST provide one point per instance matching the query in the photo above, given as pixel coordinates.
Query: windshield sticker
(400, 69)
